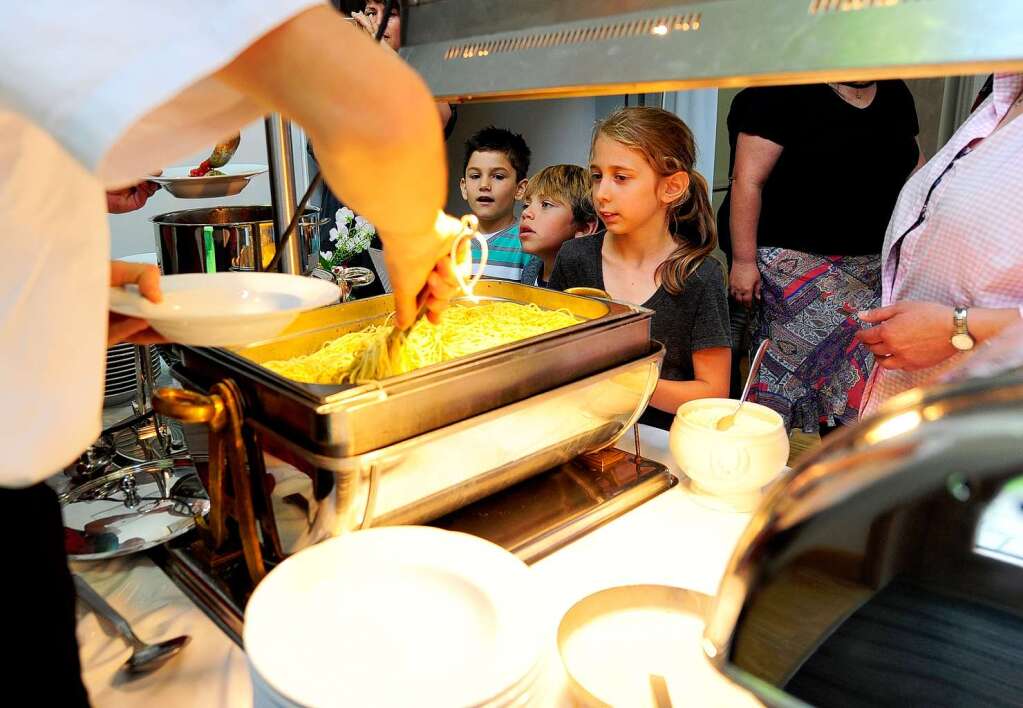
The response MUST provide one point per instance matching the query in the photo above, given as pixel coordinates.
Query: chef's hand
(325, 74)
(131, 329)
(908, 335)
(442, 285)
(130, 198)
(424, 270)
(744, 282)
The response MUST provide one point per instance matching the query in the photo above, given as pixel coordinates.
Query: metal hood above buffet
(470, 50)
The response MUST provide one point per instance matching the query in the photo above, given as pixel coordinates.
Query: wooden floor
(910, 646)
(800, 442)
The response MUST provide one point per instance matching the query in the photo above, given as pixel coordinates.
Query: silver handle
(104, 611)
(754, 367)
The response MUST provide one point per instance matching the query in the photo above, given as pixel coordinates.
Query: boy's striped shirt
(505, 258)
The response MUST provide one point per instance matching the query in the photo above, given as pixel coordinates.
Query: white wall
(133, 232)
(557, 131)
(699, 110)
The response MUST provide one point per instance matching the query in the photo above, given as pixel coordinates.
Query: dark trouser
(37, 595)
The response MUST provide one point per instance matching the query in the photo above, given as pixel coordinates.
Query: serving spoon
(144, 657)
(220, 155)
(728, 421)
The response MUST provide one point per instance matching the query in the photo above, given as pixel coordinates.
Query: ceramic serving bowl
(734, 464)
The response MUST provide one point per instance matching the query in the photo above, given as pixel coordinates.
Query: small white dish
(177, 181)
(395, 616)
(225, 309)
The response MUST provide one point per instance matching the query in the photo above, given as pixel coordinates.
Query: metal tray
(348, 420)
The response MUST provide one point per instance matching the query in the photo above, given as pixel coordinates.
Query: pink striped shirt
(969, 248)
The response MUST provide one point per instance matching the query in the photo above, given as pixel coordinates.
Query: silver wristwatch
(961, 338)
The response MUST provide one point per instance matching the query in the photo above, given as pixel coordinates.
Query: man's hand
(431, 262)
(744, 282)
(131, 329)
(131, 198)
(909, 335)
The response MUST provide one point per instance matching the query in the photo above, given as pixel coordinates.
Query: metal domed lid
(132, 509)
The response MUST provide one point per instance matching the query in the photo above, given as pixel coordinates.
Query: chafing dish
(886, 569)
(349, 420)
(328, 459)
(424, 477)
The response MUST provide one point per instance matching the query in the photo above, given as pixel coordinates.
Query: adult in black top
(841, 167)
(695, 319)
(816, 173)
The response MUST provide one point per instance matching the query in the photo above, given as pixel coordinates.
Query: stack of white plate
(121, 380)
(401, 616)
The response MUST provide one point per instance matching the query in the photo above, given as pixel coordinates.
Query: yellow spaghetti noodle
(384, 356)
(463, 330)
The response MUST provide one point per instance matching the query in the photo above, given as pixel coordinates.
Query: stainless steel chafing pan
(419, 479)
(349, 420)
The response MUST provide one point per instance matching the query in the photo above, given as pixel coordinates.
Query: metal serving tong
(463, 229)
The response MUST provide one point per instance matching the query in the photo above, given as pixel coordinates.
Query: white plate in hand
(177, 181)
(225, 309)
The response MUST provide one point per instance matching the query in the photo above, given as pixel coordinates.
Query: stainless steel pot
(242, 236)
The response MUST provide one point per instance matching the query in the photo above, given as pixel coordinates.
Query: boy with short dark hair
(493, 177)
(556, 207)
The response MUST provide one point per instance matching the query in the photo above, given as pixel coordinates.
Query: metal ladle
(144, 657)
(223, 152)
(729, 420)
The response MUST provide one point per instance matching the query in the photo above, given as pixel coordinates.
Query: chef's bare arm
(377, 134)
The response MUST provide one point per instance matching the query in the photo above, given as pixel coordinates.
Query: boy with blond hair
(556, 208)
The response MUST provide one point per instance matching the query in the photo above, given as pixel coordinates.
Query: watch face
(962, 342)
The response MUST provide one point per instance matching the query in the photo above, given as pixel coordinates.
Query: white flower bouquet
(351, 235)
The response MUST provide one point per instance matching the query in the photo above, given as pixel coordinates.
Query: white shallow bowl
(613, 641)
(177, 181)
(733, 464)
(397, 616)
(225, 309)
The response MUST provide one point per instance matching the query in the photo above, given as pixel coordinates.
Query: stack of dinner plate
(121, 380)
(399, 616)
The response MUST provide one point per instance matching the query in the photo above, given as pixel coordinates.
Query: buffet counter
(668, 540)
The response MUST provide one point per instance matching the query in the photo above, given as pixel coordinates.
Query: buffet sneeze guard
(476, 50)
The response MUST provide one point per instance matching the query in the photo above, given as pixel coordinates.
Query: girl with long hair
(659, 233)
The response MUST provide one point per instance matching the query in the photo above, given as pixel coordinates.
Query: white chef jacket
(92, 96)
